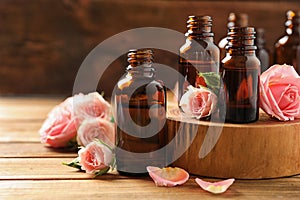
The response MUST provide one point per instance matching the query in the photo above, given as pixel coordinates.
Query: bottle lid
(199, 25)
(241, 38)
(139, 56)
(260, 36)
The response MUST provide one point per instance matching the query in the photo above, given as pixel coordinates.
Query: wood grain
(115, 187)
(33, 150)
(29, 170)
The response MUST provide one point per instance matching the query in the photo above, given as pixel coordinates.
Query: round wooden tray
(267, 148)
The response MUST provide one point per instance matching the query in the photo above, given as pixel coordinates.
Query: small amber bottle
(262, 52)
(234, 20)
(199, 53)
(287, 49)
(140, 116)
(240, 76)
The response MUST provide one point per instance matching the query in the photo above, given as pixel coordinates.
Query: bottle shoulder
(240, 61)
(192, 45)
(223, 42)
(129, 83)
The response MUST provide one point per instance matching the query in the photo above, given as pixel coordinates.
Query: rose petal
(95, 157)
(280, 92)
(90, 105)
(216, 187)
(59, 128)
(99, 128)
(198, 102)
(168, 176)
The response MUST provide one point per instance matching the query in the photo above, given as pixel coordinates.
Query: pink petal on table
(216, 187)
(168, 176)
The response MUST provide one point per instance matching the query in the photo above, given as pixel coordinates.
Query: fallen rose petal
(216, 187)
(168, 176)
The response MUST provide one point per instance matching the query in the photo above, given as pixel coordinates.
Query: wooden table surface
(28, 170)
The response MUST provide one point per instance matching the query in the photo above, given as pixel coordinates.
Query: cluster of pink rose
(84, 120)
(279, 95)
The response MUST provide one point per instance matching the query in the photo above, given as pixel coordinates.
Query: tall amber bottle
(234, 20)
(287, 49)
(262, 52)
(139, 111)
(199, 53)
(240, 76)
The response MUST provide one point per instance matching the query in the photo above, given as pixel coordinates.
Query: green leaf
(74, 163)
(103, 143)
(212, 80)
(72, 144)
(101, 172)
(112, 120)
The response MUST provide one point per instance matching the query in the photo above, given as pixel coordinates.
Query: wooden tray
(265, 149)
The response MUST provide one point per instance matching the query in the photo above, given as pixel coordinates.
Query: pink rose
(63, 120)
(95, 158)
(97, 127)
(90, 105)
(198, 102)
(59, 127)
(280, 92)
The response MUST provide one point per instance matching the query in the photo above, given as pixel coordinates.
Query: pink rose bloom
(280, 92)
(90, 105)
(97, 127)
(198, 102)
(59, 127)
(95, 157)
(63, 120)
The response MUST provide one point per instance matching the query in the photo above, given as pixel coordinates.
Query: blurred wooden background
(44, 42)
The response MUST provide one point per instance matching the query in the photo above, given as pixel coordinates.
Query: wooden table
(28, 170)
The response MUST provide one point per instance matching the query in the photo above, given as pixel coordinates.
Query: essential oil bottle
(140, 116)
(287, 49)
(240, 76)
(199, 53)
(262, 52)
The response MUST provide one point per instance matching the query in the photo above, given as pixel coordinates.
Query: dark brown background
(44, 42)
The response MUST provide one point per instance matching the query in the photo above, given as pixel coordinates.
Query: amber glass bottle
(240, 76)
(262, 52)
(234, 20)
(287, 49)
(139, 111)
(199, 53)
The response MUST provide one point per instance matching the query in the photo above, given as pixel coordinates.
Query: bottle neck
(296, 25)
(260, 38)
(141, 71)
(200, 37)
(241, 41)
(289, 24)
(140, 63)
(240, 52)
